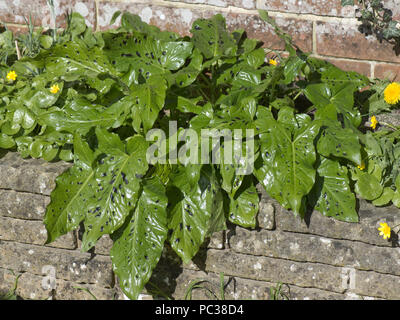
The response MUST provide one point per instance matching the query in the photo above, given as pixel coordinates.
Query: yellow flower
(273, 62)
(54, 88)
(11, 76)
(384, 230)
(392, 93)
(374, 122)
(362, 167)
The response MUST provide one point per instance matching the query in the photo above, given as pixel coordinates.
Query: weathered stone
(69, 265)
(234, 288)
(32, 232)
(309, 248)
(392, 118)
(376, 284)
(266, 216)
(302, 274)
(32, 175)
(31, 286)
(364, 231)
(21, 205)
(103, 245)
(216, 241)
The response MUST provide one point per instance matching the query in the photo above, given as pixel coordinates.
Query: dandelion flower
(54, 88)
(362, 167)
(392, 93)
(11, 76)
(374, 122)
(384, 230)
(273, 62)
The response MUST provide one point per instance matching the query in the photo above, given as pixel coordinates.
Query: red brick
(348, 65)
(15, 11)
(320, 7)
(17, 30)
(387, 70)
(300, 30)
(344, 40)
(180, 20)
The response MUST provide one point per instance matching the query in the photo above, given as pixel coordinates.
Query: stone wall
(322, 27)
(320, 259)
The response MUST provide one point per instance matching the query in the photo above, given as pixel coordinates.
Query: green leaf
(71, 61)
(132, 22)
(211, 37)
(244, 204)
(332, 193)
(148, 100)
(138, 244)
(286, 170)
(46, 41)
(113, 190)
(255, 58)
(64, 213)
(368, 187)
(196, 209)
(147, 55)
(78, 115)
(338, 142)
(392, 31)
(6, 142)
(77, 24)
(347, 2)
(385, 198)
(292, 68)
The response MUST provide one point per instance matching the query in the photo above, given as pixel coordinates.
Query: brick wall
(323, 259)
(322, 27)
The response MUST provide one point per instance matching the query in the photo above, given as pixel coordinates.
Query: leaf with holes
(339, 142)
(64, 213)
(244, 204)
(147, 55)
(332, 193)
(132, 22)
(288, 155)
(148, 100)
(211, 37)
(113, 190)
(78, 115)
(138, 244)
(71, 61)
(196, 209)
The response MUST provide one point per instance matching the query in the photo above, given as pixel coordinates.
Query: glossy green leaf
(385, 197)
(332, 193)
(288, 155)
(138, 244)
(113, 190)
(338, 142)
(244, 204)
(368, 187)
(196, 208)
(211, 37)
(64, 213)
